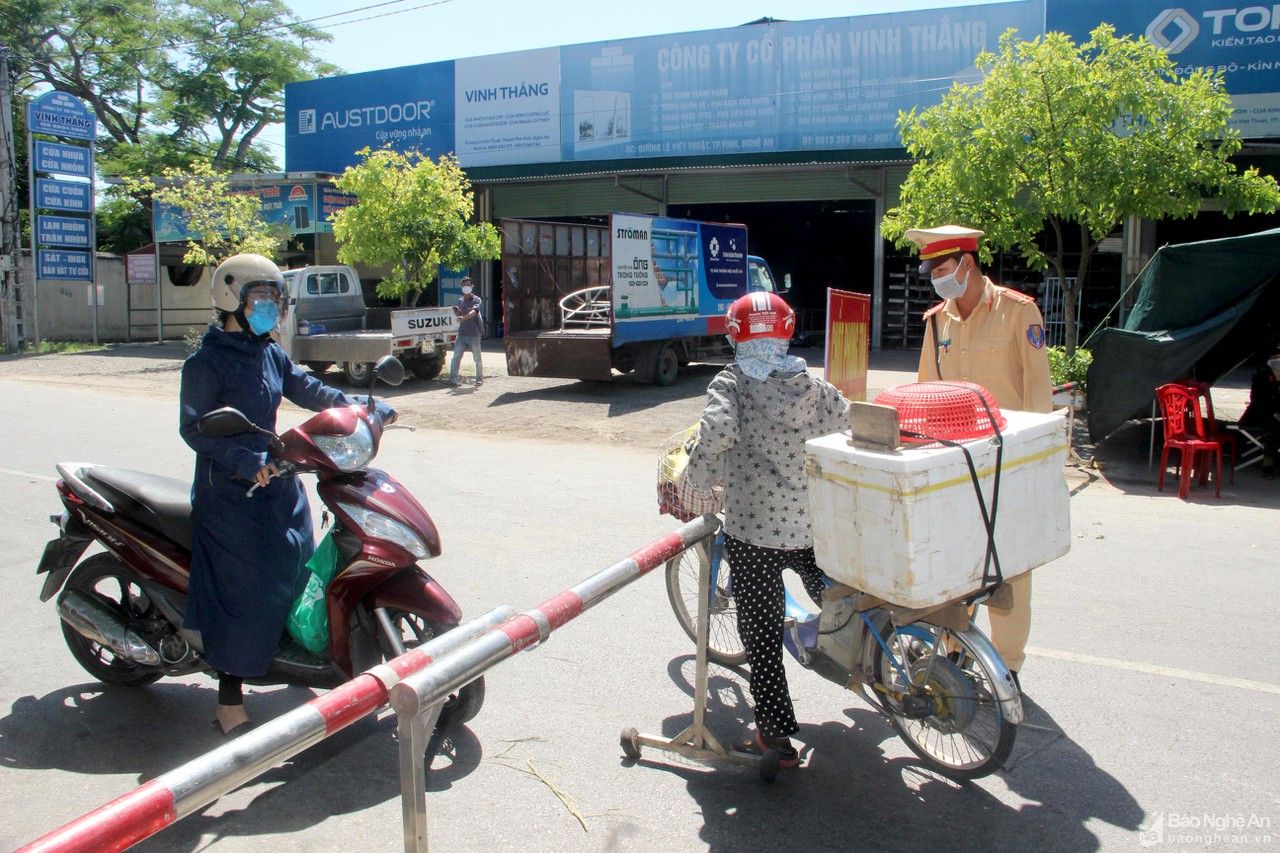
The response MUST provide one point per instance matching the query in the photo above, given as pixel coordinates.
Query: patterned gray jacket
(752, 434)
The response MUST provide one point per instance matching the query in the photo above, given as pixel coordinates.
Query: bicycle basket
(676, 496)
(953, 411)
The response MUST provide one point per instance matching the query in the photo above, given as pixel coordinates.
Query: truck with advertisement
(643, 294)
(328, 324)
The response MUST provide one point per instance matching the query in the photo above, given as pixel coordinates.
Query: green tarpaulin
(1202, 308)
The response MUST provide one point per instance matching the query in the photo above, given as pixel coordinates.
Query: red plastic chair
(1214, 430)
(1184, 432)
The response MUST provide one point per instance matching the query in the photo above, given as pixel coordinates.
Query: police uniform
(1000, 346)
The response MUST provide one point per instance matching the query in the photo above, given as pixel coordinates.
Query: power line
(291, 26)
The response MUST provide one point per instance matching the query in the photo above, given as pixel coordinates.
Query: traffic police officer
(988, 334)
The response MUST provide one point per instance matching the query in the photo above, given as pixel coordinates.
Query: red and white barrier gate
(436, 669)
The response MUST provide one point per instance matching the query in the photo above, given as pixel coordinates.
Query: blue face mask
(263, 317)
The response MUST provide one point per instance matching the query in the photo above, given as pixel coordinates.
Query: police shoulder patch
(1035, 335)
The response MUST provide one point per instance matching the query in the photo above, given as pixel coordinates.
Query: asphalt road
(1153, 682)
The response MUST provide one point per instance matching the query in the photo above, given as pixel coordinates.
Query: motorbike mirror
(224, 422)
(389, 370)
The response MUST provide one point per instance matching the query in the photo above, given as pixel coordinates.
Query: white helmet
(238, 272)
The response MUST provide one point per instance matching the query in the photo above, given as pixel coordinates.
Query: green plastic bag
(309, 618)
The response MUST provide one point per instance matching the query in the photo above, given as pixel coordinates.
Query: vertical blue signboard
(65, 117)
(1243, 41)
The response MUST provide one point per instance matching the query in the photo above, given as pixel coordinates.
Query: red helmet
(760, 315)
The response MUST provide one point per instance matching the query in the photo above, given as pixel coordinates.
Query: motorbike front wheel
(415, 630)
(952, 719)
(116, 587)
(724, 646)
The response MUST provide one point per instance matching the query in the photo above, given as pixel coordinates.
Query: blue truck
(643, 294)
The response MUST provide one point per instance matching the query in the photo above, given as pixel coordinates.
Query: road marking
(28, 474)
(1153, 669)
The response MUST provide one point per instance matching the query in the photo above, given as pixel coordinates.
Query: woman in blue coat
(248, 554)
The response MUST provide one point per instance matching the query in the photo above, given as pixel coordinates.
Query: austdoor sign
(60, 114)
(56, 264)
(62, 231)
(69, 196)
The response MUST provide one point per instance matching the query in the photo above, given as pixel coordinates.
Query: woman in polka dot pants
(760, 411)
(760, 599)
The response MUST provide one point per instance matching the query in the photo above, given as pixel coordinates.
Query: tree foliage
(1062, 136)
(220, 222)
(413, 214)
(169, 80)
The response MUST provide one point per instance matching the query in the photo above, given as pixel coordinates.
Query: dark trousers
(756, 574)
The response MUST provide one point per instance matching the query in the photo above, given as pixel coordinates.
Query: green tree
(169, 80)
(220, 222)
(1059, 136)
(412, 214)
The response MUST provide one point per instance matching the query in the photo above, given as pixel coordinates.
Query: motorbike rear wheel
(967, 736)
(115, 585)
(724, 646)
(414, 629)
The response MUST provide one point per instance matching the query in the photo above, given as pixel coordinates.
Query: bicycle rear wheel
(724, 646)
(963, 732)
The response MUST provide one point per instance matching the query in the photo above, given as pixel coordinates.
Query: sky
(410, 32)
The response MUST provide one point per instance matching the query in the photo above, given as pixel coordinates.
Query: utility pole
(10, 242)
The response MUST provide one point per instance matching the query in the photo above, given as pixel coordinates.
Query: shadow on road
(146, 732)
(851, 794)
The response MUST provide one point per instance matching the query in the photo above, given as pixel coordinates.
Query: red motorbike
(122, 609)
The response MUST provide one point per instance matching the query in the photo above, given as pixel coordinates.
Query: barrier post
(414, 725)
(152, 806)
(417, 698)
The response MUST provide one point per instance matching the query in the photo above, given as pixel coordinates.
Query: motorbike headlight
(349, 452)
(378, 525)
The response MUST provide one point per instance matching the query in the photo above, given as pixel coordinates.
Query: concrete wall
(127, 312)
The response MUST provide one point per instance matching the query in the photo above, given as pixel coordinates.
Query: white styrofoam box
(906, 526)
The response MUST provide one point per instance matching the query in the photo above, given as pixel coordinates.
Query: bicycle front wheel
(724, 646)
(947, 713)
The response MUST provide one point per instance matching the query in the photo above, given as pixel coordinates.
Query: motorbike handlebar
(285, 468)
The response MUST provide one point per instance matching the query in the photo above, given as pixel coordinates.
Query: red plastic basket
(953, 411)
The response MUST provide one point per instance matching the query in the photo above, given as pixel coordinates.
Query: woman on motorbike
(760, 411)
(248, 554)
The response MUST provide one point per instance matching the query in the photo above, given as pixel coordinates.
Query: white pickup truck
(327, 324)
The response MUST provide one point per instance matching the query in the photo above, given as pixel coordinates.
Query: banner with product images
(848, 345)
(667, 268)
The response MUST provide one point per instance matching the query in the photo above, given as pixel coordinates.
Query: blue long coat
(247, 554)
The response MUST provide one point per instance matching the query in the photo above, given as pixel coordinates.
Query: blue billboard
(62, 231)
(329, 119)
(60, 114)
(61, 265)
(69, 196)
(831, 84)
(74, 160)
(287, 204)
(1242, 41)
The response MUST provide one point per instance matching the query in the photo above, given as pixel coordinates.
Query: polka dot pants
(756, 574)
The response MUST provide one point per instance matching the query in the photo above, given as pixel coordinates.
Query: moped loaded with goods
(907, 553)
(122, 608)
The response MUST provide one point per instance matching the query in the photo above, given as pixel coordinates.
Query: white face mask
(948, 286)
(466, 290)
